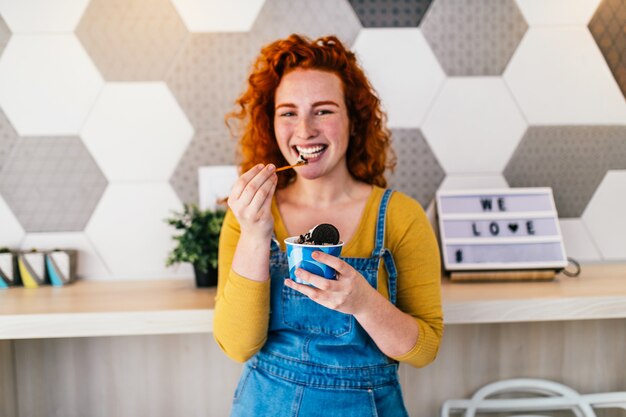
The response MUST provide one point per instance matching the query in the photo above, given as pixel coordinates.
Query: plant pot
(205, 279)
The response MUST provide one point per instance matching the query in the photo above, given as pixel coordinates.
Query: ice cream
(322, 234)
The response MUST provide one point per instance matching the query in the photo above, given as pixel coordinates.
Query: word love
(494, 228)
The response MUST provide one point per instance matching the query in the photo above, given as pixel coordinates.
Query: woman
(329, 349)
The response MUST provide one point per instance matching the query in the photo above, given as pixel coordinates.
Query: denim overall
(317, 361)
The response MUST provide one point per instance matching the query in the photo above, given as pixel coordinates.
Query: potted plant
(198, 242)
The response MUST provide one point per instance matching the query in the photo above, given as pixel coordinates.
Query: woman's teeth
(310, 151)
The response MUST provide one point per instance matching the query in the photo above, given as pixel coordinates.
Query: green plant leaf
(198, 241)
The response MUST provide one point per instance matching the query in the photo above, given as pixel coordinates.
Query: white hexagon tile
(218, 15)
(473, 182)
(129, 232)
(578, 242)
(12, 232)
(406, 83)
(557, 12)
(137, 132)
(5, 34)
(558, 76)
(604, 216)
(89, 265)
(42, 16)
(48, 84)
(474, 125)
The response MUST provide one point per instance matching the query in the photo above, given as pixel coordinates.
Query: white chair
(534, 396)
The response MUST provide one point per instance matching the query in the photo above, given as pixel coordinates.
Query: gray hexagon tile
(8, 139)
(608, 27)
(570, 159)
(5, 34)
(208, 147)
(418, 172)
(209, 74)
(52, 184)
(474, 37)
(390, 13)
(131, 40)
(280, 18)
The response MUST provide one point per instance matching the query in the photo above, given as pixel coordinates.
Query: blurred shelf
(119, 308)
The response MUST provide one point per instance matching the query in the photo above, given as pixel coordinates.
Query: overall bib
(317, 361)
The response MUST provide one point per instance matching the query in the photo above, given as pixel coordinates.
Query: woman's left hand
(349, 293)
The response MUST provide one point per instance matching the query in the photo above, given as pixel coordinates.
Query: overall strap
(379, 244)
(380, 251)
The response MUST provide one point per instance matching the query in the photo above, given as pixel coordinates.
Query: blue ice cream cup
(300, 256)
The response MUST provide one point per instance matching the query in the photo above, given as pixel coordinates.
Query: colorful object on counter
(61, 266)
(8, 269)
(32, 268)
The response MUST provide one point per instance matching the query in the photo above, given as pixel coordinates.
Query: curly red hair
(370, 144)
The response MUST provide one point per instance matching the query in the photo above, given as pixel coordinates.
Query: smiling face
(311, 119)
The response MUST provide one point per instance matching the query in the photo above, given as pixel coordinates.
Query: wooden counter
(118, 308)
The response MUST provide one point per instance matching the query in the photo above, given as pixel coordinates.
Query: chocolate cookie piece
(325, 234)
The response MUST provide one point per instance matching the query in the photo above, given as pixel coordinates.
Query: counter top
(118, 308)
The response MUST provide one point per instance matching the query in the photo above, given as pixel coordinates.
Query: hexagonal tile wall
(474, 125)
(42, 16)
(137, 132)
(475, 37)
(608, 29)
(129, 232)
(417, 76)
(570, 159)
(390, 13)
(605, 216)
(209, 74)
(557, 12)
(418, 173)
(47, 84)
(132, 40)
(52, 184)
(558, 76)
(281, 18)
(218, 15)
(8, 139)
(5, 34)
(207, 148)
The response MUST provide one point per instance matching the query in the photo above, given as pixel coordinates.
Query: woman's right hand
(250, 200)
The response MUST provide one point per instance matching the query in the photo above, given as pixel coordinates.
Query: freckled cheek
(283, 135)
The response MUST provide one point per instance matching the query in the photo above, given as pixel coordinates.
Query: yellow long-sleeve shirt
(242, 305)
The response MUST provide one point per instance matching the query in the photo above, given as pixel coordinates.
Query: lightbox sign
(502, 229)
